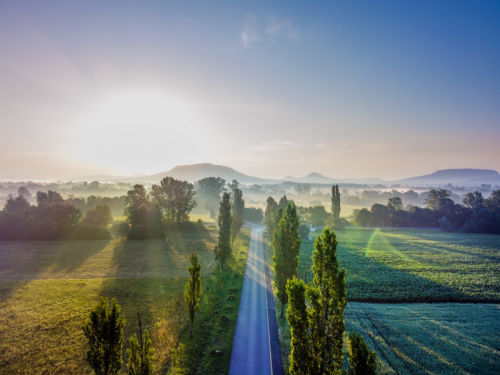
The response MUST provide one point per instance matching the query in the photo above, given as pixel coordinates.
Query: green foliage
(254, 215)
(193, 288)
(270, 216)
(141, 356)
(186, 226)
(286, 242)
(315, 215)
(143, 215)
(335, 202)
(318, 340)
(223, 248)
(238, 218)
(99, 215)
(362, 217)
(209, 189)
(362, 361)
(304, 231)
(473, 200)
(297, 317)
(438, 200)
(87, 232)
(176, 356)
(175, 198)
(103, 329)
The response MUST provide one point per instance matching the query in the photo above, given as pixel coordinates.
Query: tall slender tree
(223, 248)
(238, 207)
(286, 244)
(269, 216)
(297, 316)
(322, 332)
(362, 361)
(193, 288)
(335, 203)
(141, 360)
(103, 329)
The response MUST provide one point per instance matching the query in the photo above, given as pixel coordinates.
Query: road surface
(256, 348)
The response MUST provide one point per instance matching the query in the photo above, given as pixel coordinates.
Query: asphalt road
(256, 347)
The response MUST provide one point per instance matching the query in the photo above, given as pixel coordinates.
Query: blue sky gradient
(384, 89)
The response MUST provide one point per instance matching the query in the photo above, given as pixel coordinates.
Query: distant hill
(197, 172)
(454, 176)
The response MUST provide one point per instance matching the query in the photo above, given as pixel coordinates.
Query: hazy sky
(386, 89)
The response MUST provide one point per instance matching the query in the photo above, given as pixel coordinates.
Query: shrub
(145, 232)
(185, 226)
(84, 232)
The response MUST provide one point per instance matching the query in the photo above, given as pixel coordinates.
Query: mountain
(197, 172)
(316, 178)
(453, 176)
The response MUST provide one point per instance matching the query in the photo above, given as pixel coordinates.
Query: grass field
(415, 265)
(47, 288)
(399, 266)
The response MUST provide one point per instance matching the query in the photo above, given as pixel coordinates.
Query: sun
(141, 131)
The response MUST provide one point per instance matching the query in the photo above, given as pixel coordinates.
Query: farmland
(47, 288)
(394, 267)
(415, 265)
(426, 338)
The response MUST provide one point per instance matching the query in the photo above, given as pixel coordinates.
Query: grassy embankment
(47, 288)
(420, 266)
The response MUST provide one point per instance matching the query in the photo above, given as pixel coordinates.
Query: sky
(387, 89)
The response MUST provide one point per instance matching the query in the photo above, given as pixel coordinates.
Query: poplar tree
(103, 329)
(193, 288)
(286, 242)
(297, 316)
(269, 216)
(335, 203)
(238, 207)
(322, 332)
(362, 361)
(141, 356)
(223, 248)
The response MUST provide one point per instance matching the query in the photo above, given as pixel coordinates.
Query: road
(256, 348)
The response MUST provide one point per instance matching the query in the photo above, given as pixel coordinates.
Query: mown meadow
(423, 283)
(47, 288)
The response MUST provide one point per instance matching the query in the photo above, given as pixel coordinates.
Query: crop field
(47, 288)
(421, 339)
(401, 266)
(415, 265)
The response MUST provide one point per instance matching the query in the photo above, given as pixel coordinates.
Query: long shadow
(25, 261)
(149, 277)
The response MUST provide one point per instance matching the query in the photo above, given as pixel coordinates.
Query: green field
(47, 288)
(398, 266)
(418, 339)
(415, 265)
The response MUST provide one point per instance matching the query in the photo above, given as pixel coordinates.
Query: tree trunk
(282, 315)
(191, 333)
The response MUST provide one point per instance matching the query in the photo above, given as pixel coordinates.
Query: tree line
(476, 214)
(315, 312)
(52, 218)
